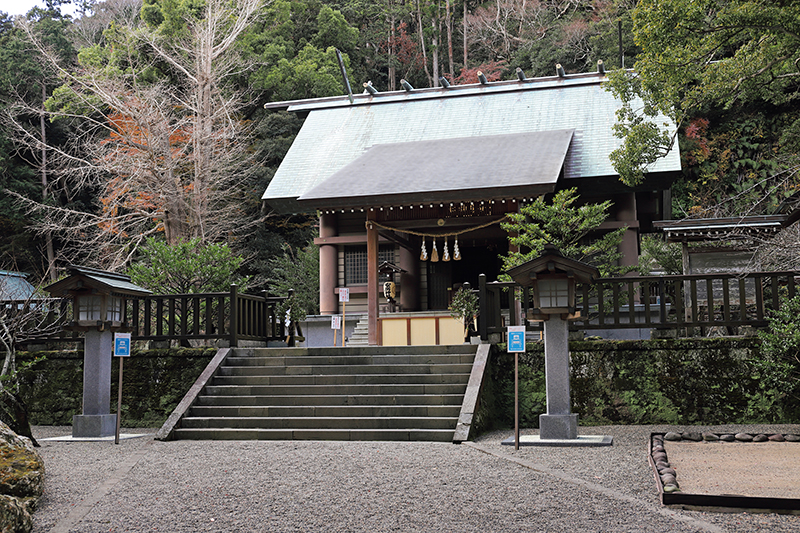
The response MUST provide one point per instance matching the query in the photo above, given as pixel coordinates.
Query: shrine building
(419, 179)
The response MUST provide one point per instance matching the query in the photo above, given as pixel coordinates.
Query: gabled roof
(464, 169)
(14, 286)
(87, 277)
(337, 132)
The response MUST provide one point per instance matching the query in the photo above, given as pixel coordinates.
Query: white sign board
(122, 344)
(336, 322)
(516, 339)
(344, 295)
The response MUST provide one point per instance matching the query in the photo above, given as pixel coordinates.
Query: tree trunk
(422, 42)
(392, 59)
(448, 22)
(48, 237)
(464, 24)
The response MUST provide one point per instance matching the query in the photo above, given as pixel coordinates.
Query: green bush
(669, 381)
(778, 368)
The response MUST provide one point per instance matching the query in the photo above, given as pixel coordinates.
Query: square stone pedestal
(558, 426)
(94, 425)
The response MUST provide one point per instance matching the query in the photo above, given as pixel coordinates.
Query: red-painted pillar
(328, 267)
(372, 281)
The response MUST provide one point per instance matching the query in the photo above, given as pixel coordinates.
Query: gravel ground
(482, 486)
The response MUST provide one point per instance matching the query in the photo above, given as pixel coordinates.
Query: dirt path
(767, 469)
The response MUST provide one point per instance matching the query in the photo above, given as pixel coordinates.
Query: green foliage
(565, 225)
(736, 162)
(778, 367)
(700, 55)
(464, 306)
(686, 381)
(659, 255)
(296, 269)
(187, 267)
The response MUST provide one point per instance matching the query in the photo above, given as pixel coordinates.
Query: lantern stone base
(94, 425)
(558, 426)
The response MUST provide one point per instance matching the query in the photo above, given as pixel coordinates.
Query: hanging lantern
(456, 251)
(434, 253)
(423, 256)
(446, 254)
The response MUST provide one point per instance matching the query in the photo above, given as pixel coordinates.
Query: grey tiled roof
(466, 169)
(336, 133)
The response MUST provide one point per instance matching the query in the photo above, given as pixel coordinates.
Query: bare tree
(32, 318)
(161, 139)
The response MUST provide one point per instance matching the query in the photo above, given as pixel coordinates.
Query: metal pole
(119, 401)
(516, 401)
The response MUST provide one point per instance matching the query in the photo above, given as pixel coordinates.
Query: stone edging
(667, 475)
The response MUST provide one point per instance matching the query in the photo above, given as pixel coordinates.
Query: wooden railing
(226, 316)
(205, 316)
(692, 304)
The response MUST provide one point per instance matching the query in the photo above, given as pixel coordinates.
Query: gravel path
(482, 486)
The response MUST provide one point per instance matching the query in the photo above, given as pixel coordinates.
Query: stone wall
(154, 381)
(666, 381)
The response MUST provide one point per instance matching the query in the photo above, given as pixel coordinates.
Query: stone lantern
(553, 279)
(98, 303)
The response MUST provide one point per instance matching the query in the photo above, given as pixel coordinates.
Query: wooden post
(234, 314)
(372, 280)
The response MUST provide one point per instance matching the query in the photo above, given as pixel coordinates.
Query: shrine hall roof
(339, 134)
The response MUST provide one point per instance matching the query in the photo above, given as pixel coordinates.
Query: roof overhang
(701, 229)
(447, 170)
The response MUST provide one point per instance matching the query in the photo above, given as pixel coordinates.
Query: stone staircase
(371, 393)
(360, 335)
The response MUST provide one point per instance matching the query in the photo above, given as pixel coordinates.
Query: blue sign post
(516, 339)
(122, 349)
(516, 345)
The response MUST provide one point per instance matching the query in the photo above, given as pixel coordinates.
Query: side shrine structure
(421, 178)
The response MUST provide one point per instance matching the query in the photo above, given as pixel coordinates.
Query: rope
(434, 235)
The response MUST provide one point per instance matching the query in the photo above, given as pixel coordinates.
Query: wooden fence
(226, 316)
(205, 316)
(692, 304)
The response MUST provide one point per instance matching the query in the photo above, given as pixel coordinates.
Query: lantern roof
(552, 262)
(81, 278)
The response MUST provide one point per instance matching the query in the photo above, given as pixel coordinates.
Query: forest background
(137, 124)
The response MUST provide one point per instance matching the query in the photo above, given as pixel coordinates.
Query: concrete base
(94, 425)
(582, 440)
(558, 426)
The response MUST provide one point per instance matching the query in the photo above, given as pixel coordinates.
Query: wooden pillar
(372, 281)
(626, 212)
(328, 267)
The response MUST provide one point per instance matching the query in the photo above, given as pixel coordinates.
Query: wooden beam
(398, 240)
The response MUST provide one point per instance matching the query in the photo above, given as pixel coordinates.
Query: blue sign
(516, 339)
(122, 345)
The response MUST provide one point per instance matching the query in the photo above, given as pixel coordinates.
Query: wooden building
(392, 173)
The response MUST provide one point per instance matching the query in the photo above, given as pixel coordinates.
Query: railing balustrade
(205, 316)
(693, 304)
(182, 317)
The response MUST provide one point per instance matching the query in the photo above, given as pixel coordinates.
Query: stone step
(349, 360)
(351, 389)
(342, 411)
(341, 379)
(330, 399)
(353, 393)
(381, 351)
(319, 422)
(459, 368)
(436, 435)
